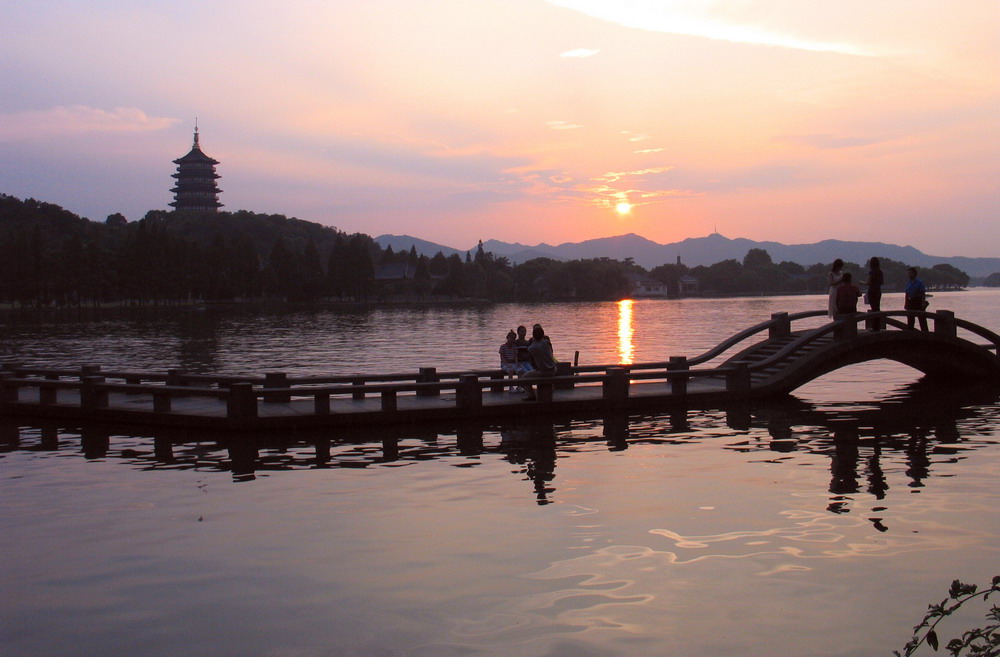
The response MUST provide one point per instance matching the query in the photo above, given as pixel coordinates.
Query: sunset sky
(522, 120)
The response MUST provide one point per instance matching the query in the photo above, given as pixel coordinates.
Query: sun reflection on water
(626, 349)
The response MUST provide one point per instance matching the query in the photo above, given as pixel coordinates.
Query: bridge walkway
(763, 366)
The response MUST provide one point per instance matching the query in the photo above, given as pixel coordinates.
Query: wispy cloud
(580, 52)
(77, 119)
(563, 125)
(615, 176)
(636, 136)
(692, 18)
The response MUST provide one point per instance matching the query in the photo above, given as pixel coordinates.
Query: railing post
(944, 323)
(91, 397)
(678, 384)
(89, 370)
(498, 381)
(564, 369)
(469, 395)
(615, 388)
(358, 382)
(242, 401)
(543, 390)
(321, 403)
(846, 328)
(428, 375)
(133, 381)
(276, 380)
(738, 381)
(47, 393)
(174, 377)
(8, 389)
(781, 326)
(388, 400)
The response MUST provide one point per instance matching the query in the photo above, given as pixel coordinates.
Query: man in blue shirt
(916, 298)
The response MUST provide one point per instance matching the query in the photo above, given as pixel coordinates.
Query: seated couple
(544, 363)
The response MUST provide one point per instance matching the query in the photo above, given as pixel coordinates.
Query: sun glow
(623, 208)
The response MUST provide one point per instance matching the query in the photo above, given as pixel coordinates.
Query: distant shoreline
(262, 305)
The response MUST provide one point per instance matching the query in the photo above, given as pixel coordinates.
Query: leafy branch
(980, 642)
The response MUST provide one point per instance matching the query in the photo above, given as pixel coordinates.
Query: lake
(817, 525)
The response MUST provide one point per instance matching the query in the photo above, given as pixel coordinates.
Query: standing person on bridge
(833, 277)
(916, 298)
(874, 283)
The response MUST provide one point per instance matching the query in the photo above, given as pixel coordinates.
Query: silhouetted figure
(833, 278)
(522, 343)
(916, 298)
(540, 352)
(544, 337)
(874, 285)
(508, 357)
(847, 296)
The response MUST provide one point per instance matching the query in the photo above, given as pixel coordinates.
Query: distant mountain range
(696, 251)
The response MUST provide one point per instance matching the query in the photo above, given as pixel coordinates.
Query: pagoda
(196, 187)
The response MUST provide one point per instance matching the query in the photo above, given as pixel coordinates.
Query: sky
(521, 120)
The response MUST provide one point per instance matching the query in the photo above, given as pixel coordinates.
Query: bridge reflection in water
(924, 421)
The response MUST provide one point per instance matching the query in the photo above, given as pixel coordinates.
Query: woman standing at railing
(834, 277)
(873, 297)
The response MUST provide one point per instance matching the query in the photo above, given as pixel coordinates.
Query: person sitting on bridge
(847, 296)
(546, 338)
(508, 357)
(523, 359)
(916, 298)
(540, 351)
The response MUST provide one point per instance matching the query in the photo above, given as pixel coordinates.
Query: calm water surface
(817, 525)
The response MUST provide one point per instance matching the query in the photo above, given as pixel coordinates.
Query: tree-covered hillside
(51, 257)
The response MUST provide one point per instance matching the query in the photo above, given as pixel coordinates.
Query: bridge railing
(944, 323)
(779, 324)
(242, 395)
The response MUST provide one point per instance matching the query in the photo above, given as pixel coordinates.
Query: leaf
(932, 640)
(959, 589)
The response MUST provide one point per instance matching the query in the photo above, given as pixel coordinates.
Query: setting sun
(623, 208)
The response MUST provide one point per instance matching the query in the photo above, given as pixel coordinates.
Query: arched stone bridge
(787, 359)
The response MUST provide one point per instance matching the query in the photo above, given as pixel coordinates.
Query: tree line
(758, 274)
(50, 256)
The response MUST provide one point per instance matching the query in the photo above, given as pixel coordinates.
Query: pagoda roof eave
(195, 155)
